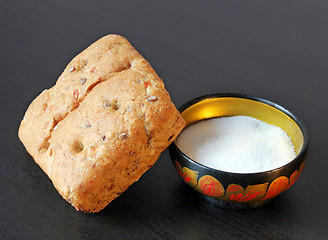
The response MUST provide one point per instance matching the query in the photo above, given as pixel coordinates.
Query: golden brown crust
(102, 125)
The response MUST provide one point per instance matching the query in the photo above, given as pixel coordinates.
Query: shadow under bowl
(241, 190)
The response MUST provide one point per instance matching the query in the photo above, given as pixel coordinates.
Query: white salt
(237, 144)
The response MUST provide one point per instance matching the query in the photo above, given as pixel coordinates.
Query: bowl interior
(260, 109)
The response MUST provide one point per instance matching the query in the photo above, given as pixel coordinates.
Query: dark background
(275, 49)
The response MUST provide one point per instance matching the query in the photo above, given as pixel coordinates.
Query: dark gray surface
(273, 49)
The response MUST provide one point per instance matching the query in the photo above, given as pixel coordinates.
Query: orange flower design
(188, 175)
(210, 186)
(276, 187)
(252, 193)
(292, 179)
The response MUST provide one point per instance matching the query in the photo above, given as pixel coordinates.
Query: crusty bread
(102, 125)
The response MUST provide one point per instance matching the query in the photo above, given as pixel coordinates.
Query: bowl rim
(294, 117)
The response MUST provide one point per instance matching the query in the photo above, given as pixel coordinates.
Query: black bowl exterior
(239, 190)
(236, 190)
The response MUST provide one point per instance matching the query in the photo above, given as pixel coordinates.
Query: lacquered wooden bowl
(241, 190)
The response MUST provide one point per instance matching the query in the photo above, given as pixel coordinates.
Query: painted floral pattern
(212, 187)
(189, 176)
(237, 193)
(276, 187)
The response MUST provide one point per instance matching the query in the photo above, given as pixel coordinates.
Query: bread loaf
(102, 125)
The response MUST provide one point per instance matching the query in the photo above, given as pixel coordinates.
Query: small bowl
(241, 190)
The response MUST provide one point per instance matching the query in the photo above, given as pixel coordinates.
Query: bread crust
(102, 125)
